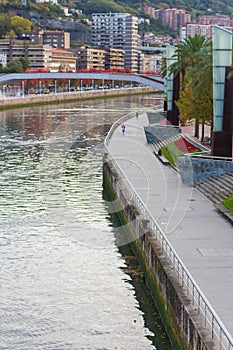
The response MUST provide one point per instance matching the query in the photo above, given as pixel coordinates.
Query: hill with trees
(51, 16)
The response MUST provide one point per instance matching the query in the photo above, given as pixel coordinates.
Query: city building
(88, 58)
(54, 38)
(40, 56)
(220, 20)
(173, 17)
(119, 31)
(206, 30)
(55, 2)
(62, 60)
(150, 62)
(3, 59)
(114, 58)
(193, 29)
(99, 58)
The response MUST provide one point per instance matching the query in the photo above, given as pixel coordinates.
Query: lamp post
(23, 88)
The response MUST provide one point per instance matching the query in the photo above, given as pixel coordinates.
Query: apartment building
(3, 59)
(114, 58)
(62, 60)
(118, 31)
(149, 10)
(40, 56)
(150, 62)
(220, 20)
(205, 30)
(55, 2)
(173, 17)
(193, 29)
(88, 58)
(99, 58)
(55, 38)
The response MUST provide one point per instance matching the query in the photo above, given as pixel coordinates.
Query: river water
(64, 283)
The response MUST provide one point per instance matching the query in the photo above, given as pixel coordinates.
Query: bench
(160, 156)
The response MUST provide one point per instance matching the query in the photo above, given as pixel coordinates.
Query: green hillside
(43, 14)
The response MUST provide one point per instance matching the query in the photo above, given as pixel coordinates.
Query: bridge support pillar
(222, 141)
(173, 115)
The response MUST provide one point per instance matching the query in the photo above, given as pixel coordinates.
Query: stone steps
(217, 188)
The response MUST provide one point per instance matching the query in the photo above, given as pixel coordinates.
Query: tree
(14, 66)
(5, 25)
(25, 63)
(20, 24)
(196, 106)
(187, 55)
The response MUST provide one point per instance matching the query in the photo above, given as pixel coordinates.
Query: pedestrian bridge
(154, 81)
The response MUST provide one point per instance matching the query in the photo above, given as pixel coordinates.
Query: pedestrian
(137, 115)
(123, 129)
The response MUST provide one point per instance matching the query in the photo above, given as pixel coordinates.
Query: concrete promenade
(200, 236)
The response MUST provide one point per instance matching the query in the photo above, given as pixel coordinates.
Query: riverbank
(45, 99)
(175, 253)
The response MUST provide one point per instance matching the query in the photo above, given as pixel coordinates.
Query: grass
(176, 149)
(228, 203)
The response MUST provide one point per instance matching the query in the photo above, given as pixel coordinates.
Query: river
(65, 284)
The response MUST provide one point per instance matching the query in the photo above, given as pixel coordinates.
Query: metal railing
(218, 332)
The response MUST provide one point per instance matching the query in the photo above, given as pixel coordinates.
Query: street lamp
(23, 88)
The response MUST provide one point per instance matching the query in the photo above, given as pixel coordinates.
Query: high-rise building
(119, 31)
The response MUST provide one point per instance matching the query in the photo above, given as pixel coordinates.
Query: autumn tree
(196, 106)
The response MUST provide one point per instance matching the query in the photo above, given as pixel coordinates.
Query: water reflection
(63, 280)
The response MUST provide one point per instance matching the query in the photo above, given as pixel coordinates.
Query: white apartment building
(119, 31)
(55, 2)
(193, 29)
(205, 30)
(150, 62)
(3, 58)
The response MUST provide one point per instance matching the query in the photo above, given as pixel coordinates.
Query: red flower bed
(185, 146)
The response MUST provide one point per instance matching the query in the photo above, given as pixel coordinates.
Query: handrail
(210, 317)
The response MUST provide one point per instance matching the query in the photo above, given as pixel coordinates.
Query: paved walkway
(201, 237)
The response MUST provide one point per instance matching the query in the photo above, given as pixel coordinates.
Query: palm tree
(186, 55)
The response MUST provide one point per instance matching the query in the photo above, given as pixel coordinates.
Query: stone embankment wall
(64, 97)
(185, 327)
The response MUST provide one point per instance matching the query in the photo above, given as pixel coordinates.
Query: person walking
(123, 129)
